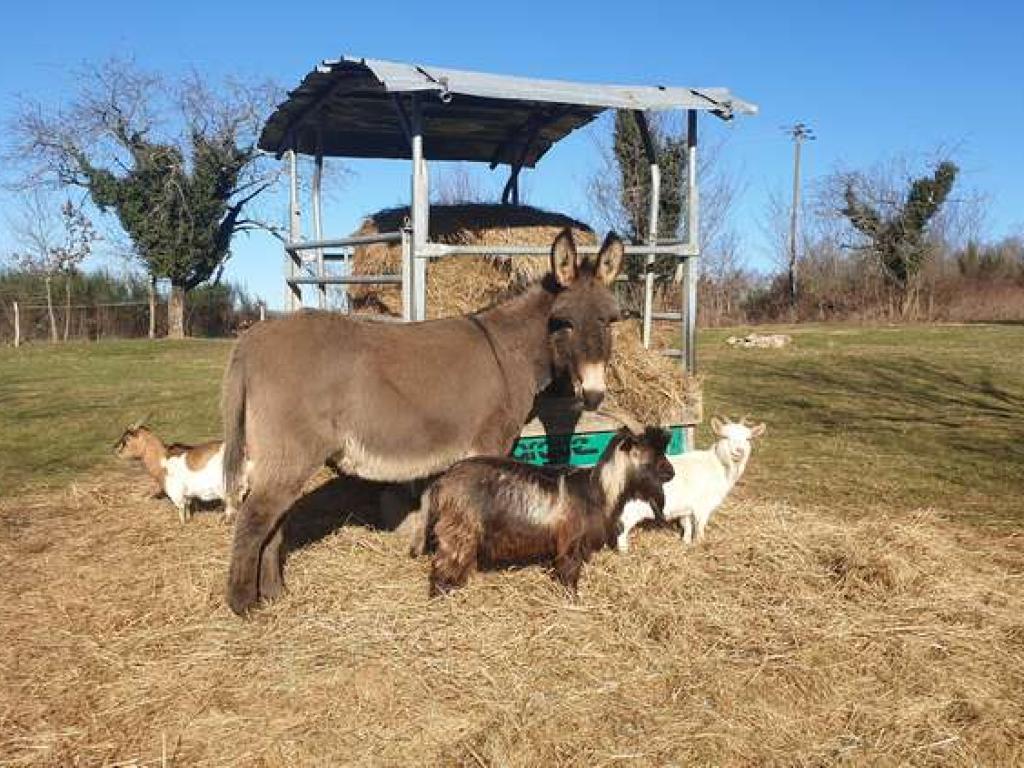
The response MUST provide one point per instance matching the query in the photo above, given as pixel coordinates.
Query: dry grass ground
(812, 628)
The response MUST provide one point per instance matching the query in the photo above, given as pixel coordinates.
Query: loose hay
(790, 637)
(640, 381)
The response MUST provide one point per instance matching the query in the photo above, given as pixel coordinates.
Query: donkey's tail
(233, 410)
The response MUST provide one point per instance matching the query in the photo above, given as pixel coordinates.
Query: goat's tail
(233, 411)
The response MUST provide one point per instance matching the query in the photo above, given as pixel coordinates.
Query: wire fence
(30, 320)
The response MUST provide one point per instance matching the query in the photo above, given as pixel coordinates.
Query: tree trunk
(67, 306)
(49, 309)
(152, 307)
(176, 312)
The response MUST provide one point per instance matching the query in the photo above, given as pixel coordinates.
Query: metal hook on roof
(445, 95)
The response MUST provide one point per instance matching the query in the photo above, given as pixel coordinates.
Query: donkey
(400, 402)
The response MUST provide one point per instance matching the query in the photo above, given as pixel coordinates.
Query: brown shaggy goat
(490, 511)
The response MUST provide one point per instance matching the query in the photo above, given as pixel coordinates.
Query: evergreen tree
(896, 234)
(635, 180)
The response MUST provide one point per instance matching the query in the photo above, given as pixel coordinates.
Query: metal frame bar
(420, 206)
(318, 227)
(292, 262)
(408, 305)
(652, 225)
(348, 280)
(343, 242)
(689, 295)
(441, 250)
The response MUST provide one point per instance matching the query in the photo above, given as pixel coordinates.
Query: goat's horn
(137, 424)
(623, 418)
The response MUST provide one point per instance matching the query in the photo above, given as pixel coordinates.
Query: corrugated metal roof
(471, 115)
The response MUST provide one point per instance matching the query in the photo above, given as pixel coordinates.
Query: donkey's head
(584, 309)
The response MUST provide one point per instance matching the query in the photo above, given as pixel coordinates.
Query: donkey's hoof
(271, 588)
(241, 600)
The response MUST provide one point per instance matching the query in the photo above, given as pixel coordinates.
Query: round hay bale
(459, 285)
(640, 381)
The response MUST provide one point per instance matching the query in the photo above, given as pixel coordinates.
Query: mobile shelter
(366, 108)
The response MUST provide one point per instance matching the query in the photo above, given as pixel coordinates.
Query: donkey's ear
(716, 426)
(564, 260)
(609, 259)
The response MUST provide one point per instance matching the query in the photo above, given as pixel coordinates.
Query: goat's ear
(565, 261)
(609, 259)
(716, 425)
(758, 430)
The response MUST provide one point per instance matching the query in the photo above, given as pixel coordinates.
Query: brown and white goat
(490, 511)
(184, 473)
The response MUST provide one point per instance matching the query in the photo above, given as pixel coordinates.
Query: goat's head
(636, 465)
(132, 442)
(735, 438)
(582, 314)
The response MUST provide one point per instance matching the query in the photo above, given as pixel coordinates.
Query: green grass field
(859, 418)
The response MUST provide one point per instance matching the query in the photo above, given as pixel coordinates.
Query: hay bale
(464, 284)
(641, 381)
(647, 384)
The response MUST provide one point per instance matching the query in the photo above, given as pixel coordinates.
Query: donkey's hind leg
(271, 581)
(258, 522)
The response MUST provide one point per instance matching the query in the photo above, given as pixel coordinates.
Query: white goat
(702, 481)
(184, 473)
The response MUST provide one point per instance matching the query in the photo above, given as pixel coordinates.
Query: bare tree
(53, 240)
(176, 161)
(456, 184)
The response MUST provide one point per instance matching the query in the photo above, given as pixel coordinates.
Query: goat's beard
(645, 486)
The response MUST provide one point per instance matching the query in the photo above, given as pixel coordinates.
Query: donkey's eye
(559, 324)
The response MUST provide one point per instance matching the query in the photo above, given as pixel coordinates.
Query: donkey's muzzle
(592, 399)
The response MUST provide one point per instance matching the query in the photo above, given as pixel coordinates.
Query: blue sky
(873, 78)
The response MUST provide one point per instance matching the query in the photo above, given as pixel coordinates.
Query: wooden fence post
(17, 326)
(152, 307)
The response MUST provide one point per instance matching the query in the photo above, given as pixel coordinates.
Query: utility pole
(800, 132)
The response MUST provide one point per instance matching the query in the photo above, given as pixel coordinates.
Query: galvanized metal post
(318, 229)
(652, 239)
(652, 224)
(294, 292)
(407, 278)
(689, 312)
(420, 212)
